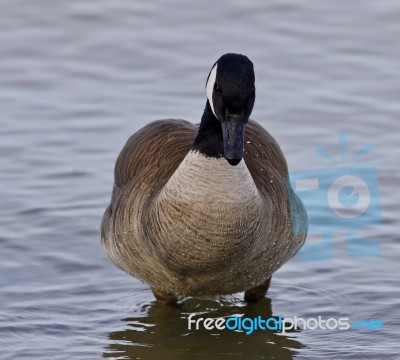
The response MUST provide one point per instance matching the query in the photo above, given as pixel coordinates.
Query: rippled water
(78, 77)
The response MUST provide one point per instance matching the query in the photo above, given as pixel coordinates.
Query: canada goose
(188, 216)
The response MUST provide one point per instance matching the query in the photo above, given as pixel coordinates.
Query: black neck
(209, 138)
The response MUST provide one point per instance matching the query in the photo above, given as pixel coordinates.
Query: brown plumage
(144, 166)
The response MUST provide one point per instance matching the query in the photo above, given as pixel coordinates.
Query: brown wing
(268, 168)
(162, 145)
(148, 159)
(263, 156)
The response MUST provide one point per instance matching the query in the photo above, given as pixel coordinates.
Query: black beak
(233, 136)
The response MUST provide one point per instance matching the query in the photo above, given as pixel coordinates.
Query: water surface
(78, 77)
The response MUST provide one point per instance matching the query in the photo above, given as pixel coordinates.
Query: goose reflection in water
(161, 332)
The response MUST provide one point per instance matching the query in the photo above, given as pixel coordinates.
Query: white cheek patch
(210, 87)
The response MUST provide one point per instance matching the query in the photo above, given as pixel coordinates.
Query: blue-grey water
(77, 78)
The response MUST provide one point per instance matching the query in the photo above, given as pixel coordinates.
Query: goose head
(231, 94)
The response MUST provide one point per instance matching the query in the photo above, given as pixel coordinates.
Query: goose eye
(217, 89)
(253, 91)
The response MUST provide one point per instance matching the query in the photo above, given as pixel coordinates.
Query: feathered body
(175, 223)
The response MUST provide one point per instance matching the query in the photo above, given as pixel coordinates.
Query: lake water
(78, 77)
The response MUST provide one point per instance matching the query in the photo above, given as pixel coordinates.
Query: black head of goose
(205, 209)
